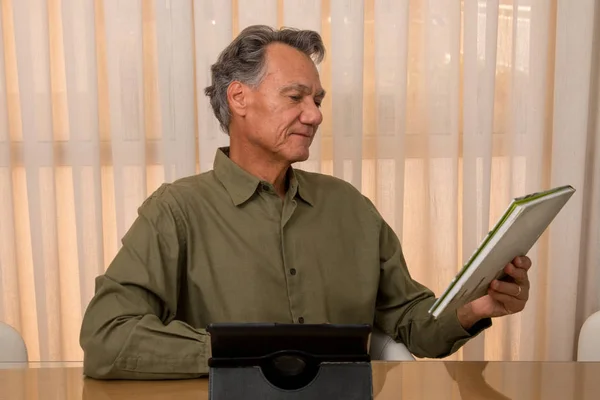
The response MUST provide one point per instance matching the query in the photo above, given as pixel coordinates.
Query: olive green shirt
(222, 246)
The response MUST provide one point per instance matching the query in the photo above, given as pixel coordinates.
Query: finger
(508, 288)
(523, 262)
(518, 274)
(510, 303)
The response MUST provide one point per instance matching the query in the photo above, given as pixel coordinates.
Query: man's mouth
(307, 135)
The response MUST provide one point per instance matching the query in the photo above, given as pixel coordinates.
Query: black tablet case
(289, 361)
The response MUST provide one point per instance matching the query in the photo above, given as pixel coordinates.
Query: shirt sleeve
(129, 329)
(402, 308)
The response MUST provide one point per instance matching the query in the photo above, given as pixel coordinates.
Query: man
(256, 241)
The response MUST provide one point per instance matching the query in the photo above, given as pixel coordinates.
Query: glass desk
(391, 380)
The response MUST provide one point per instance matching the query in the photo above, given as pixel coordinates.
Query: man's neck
(259, 165)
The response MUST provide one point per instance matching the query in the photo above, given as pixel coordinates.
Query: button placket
(288, 257)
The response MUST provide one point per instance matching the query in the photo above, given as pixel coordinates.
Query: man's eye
(318, 104)
(296, 98)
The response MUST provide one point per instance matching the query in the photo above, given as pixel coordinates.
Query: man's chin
(299, 157)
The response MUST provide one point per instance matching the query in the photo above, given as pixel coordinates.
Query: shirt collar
(304, 189)
(241, 185)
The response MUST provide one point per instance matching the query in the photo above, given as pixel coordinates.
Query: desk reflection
(193, 389)
(486, 380)
(407, 380)
(471, 382)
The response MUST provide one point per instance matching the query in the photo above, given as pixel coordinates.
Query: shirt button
(293, 271)
(265, 187)
(301, 320)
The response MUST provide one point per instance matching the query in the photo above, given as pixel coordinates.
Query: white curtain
(439, 111)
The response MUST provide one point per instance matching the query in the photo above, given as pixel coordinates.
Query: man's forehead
(284, 58)
(289, 68)
(284, 51)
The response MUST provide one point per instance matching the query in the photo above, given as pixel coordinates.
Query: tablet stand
(290, 375)
(289, 361)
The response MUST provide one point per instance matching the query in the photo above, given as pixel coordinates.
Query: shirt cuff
(457, 336)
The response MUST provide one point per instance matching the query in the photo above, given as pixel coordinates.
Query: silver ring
(519, 293)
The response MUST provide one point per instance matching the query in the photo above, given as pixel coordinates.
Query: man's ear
(236, 97)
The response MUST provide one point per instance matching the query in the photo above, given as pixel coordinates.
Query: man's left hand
(506, 296)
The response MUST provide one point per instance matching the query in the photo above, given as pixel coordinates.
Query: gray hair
(244, 61)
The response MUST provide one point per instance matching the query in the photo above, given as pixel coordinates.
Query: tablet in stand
(289, 361)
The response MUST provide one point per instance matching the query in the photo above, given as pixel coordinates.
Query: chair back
(12, 346)
(384, 348)
(588, 348)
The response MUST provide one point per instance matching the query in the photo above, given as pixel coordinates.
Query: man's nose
(311, 115)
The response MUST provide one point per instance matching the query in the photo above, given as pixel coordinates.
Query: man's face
(282, 113)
